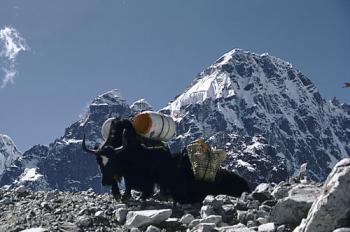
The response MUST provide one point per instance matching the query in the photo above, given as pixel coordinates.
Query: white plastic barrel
(154, 125)
(106, 126)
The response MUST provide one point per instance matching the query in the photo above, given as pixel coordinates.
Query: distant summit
(8, 153)
(266, 114)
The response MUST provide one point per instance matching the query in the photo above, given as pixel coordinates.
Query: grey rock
(135, 230)
(262, 220)
(291, 209)
(5, 201)
(204, 227)
(207, 210)
(268, 227)
(83, 221)
(280, 191)
(236, 228)
(281, 228)
(342, 230)
(35, 229)
(120, 214)
(262, 192)
(332, 208)
(216, 219)
(146, 217)
(99, 214)
(242, 216)
(194, 223)
(152, 229)
(187, 219)
(21, 189)
(251, 223)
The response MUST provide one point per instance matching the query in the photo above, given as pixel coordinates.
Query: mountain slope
(267, 114)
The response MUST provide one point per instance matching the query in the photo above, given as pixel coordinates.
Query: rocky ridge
(269, 208)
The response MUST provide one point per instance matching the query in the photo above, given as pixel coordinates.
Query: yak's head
(109, 154)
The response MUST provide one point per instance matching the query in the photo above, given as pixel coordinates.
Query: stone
(99, 214)
(83, 221)
(5, 201)
(187, 219)
(120, 214)
(204, 227)
(36, 229)
(270, 203)
(21, 189)
(194, 223)
(228, 212)
(342, 230)
(332, 208)
(268, 227)
(292, 209)
(216, 219)
(251, 223)
(262, 192)
(262, 220)
(152, 229)
(209, 200)
(281, 228)
(236, 228)
(135, 230)
(207, 210)
(146, 217)
(281, 191)
(242, 216)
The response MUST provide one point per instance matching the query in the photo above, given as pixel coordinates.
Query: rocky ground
(269, 208)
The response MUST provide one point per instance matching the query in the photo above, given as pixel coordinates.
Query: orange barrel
(154, 125)
(106, 126)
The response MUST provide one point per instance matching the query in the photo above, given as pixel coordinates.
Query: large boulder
(332, 208)
(293, 208)
(146, 217)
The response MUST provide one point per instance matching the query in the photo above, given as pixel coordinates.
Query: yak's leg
(115, 190)
(127, 192)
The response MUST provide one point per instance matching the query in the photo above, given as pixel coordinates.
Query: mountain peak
(8, 152)
(112, 97)
(141, 105)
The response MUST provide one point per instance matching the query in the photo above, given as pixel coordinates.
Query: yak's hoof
(117, 196)
(125, 197)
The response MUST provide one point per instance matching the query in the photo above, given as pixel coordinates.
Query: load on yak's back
(204, 160)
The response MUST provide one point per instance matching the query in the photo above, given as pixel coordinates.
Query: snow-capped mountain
(8, 152)
(266, 114)
(62, 164)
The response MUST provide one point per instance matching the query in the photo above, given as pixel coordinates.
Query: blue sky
(153, 50)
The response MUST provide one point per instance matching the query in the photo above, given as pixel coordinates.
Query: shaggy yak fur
(143, 167)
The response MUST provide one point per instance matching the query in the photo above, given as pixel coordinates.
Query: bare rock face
(294, 207)
(332, 208)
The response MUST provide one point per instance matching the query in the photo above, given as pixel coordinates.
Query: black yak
(143, 167)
